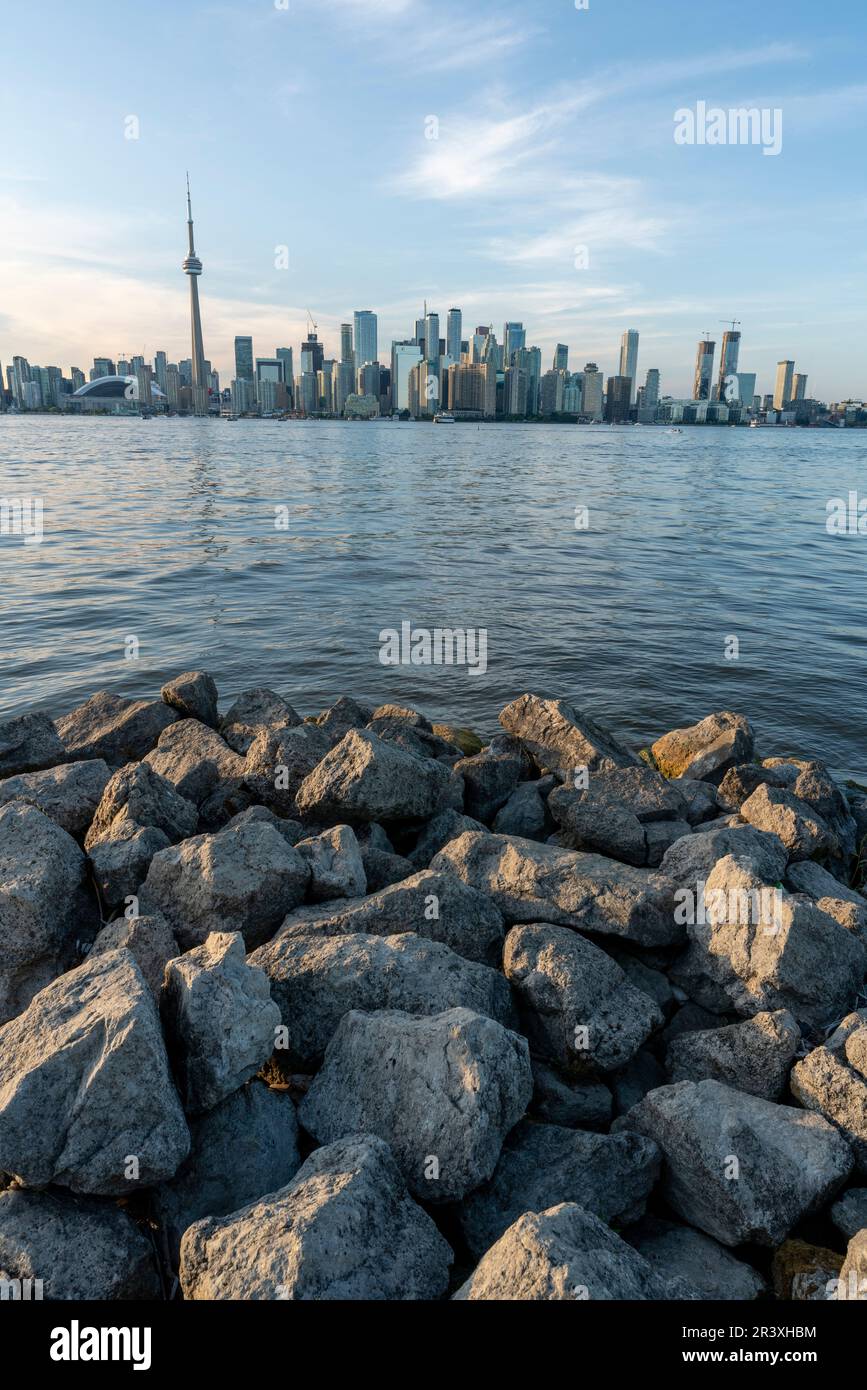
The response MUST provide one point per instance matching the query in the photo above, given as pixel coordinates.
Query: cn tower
(193, 268)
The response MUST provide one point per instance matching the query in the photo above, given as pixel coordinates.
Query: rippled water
(165, 530)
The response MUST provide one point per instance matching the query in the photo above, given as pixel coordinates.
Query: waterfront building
(728, 363)
(454, 329)
(366, 349)
(703, 369)
(618, 398)
(561, 358)
(404, 357)
(629, 360)
(783, 386)
(592, 405)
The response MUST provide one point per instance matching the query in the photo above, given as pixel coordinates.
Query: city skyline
(387, 152)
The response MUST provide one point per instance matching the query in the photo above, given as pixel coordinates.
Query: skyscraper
(514, 337)
(365, 337)
(347, 353)
(454, 328)
(404, 357)
(561, 358)
(703, 370)
(799, 389)
(783, 386)
(432, 337)
(287, 357)
(728, 363)
(592, 403)
(193, 267)
(617, 398)
(244, 359)
(312, 355)
(629, 360)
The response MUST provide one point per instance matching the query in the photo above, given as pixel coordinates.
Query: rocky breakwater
(349, 1006)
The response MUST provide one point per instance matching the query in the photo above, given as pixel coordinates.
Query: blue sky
(306, 127)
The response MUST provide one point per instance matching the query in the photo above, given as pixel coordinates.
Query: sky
(439, 150)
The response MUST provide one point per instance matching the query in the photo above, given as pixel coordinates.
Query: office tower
(102, 366)
(308, 395)
(473, 387)
(325, 385)
(553, 386)
(125, 368)
(160, 370)
(799, 392)
(185, 369)
(404, 357)
(514, 338)
(573, 394)
(728, 363)
(268, 369)
(477, 344)
(368, 380)
(592, 391)
(517, 385)
(746, 387)
(651, 388)
(454, 329)
(561, 358)
(173, 385)
(343, 385)
(432, 337)
(347, 352)
(629, 360)
(365, 337)
(312, 354)
(286, 355)
(241, 395)
(419, 334)
(193, 268)
(244, 359)
(783, 386)
(617, 399)
(703, 369)
(77, 376)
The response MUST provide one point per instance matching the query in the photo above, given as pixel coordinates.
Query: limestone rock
(196, 760)
(278, 761)
(336, 865)
(194, 695)
(149, 941)
(690, 859)
(253, 712)
(525, 812)
(832, 1081)
(363, 778)
(574, 1104)
(802, 830)
(754, 1056)
(68, 795)
(561, 738)
(343, 715)
(853, 1274)
(849, 1212)
(490, 777)
(703, 1265)
(448, 825)
(116, 729)
(29, 744)
(705, 750)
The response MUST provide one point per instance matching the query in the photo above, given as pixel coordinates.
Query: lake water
(164, 530)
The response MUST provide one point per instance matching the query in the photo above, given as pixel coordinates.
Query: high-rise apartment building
(432, 337)
(618, 396)
(347, 352)
(473, 387)
(783, 385)
(593, 391)
(514, 339)
(244, 359)
(366, 348)
(629, 360)
(404, 357)
(561, 358)
(799, 387)
(454, 329)
(728, 363)
(703, 370)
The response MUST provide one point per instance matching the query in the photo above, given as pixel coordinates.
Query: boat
(444, 417)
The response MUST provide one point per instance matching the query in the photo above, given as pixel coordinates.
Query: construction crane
(310, 323)
(733, 322)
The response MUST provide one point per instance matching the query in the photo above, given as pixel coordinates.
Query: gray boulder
(68, 795)
(561, 738)
(278, 761)
(382, 869)
(577, 1006)
(141, 797)
(437, 906)
(690, 859)
(490, 777)
(343, 715)
(29, 744)
(255, 711)
(565, 1101)
(41, 903)
(448, 825)
(564, 1253)
(344, 1229)
(116, 729)
(336, 865)
(220, 1020)
(740, 782)
(832, 1081)
(363, 778)
(849, 1212)
(699, 1262)
(196, 760)
(245, 1147)
(844, 904)
(755, 1056)
(633, 1082)
(81, 1249)
(316, 979)
(120, 862)
(705, 750)
(245, 879)
(801, 829)
(524, 813)
(291, 830)
(150, 942)
(194, 695)
(739, 1168)
(610, 1175)
(702, 799)
(443, 1092)
(542, 883)
(86, 1099)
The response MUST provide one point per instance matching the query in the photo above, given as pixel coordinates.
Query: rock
(524, 813)
(633, 1082)
(640, 790)
(278, 761)
(691, 1018)
(244, 1148)
(196, 760)
(766, 950)
(610, 1175)
(612, 831)
(829, 893)
(689, 860)
(41, 903)
(149, 941)
(853, 1274)
(140, 797)
(193, 695)
(29, 744)
(703, 1265)
(849, 1212)
(802, 830)
(291, 830)
(220, 1018)
(542, 883)
(253, 712)
(739, 1168)
(448, 825)
(86, 1099)
(802, 1273)
(343, 715)
(645, 978)
(363, 778)
(79, 1248)
(573, 1104)
(344, 1229)
(315, 980)
(562, 738)
(245, 879)
(68, 795)
(577, 1006)
(705, 750)
(401, 714)
(120, 864)
(660, 835)
(442, 1091)
(111, 727)
(465, 740)
(437, 906)
(381, 869)
(832, 1081)
(564, 1253)
(490, 777)
(740, 782)
(754, 1056)
(702, 799)
(336, 865)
